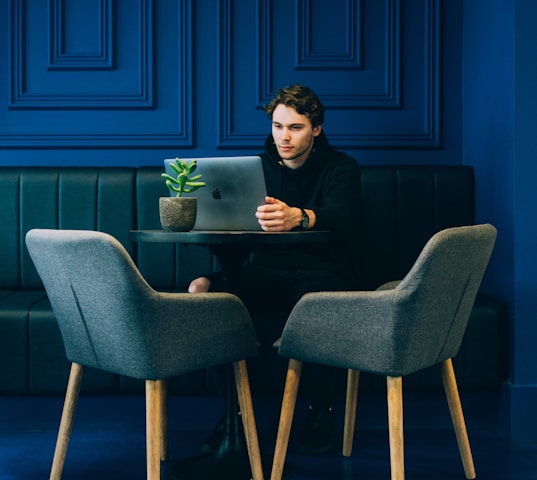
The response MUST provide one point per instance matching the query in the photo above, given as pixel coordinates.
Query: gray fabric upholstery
(417, 322)
(111, 319)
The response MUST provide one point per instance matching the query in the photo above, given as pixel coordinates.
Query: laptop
(235, 186)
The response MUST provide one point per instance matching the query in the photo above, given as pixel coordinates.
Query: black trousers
(269, 294)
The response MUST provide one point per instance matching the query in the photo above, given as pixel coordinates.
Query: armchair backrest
(88, 278)
(438, 293)
(111, 319)
(413, 325)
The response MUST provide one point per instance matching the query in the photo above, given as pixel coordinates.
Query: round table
(231, 248)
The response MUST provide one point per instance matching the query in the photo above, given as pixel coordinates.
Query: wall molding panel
(111, 89)
(347, 55)
(230, 100)
(66, 53)
(88, 76)
(373, 99)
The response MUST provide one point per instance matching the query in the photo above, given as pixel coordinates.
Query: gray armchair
(397, 330)
(112, 320)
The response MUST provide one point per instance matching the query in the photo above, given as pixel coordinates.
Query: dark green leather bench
(401, 208)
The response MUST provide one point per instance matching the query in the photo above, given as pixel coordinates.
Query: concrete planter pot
(178, 214)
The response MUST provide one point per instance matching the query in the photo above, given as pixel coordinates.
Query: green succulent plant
(183, 182)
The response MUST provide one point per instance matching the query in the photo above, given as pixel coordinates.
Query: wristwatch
(305, 220)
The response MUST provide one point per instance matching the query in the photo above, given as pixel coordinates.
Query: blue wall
(500, 67)
(130, 82)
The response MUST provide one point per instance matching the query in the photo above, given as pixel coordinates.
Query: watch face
(305, 219)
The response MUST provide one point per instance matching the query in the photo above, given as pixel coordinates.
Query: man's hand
(277, 216)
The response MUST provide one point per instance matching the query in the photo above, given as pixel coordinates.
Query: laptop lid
(235, 186)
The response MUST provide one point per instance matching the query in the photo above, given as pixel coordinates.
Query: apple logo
(217, 195)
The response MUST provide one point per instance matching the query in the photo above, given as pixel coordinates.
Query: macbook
(235, 186)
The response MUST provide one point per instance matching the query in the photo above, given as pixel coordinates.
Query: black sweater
(329, 184)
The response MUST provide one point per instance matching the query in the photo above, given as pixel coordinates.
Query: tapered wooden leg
(153, 401)
(353, 378)
(395, 422)
(292, 382)
(248, 418)
(164, 422)
(66, 423)
(457, 417)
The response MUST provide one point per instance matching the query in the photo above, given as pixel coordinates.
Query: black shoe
(212, 444)
(222, 440)
(319, 432)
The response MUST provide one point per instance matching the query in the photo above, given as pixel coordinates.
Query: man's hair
(303, 99)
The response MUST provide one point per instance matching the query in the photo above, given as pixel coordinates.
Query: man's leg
(286, 288)
(211, 445)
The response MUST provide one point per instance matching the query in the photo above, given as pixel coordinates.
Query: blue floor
(108, 439)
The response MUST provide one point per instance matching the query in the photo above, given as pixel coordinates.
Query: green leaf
(169, 178)
(183, 183)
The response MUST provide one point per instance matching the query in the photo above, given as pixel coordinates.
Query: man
(310, 186)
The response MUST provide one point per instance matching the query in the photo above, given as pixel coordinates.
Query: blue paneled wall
(130, 82)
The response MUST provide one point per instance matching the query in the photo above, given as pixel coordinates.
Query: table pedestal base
(209, 467)
(231, 459)
(212, 467)
(229, 462)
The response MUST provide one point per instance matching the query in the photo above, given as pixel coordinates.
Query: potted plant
(178, 213)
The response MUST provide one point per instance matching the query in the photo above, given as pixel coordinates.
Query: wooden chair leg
(292, 382)
(395, 422)
(164, 422)
(153, 401)
(248, 418)
(353, 378)
(66, 423)
(457, 417)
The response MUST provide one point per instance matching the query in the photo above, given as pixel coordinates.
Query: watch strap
(305, 219)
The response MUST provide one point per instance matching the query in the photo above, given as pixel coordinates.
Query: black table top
(229, 237)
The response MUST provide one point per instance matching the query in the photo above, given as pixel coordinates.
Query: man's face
(293, 135)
